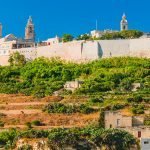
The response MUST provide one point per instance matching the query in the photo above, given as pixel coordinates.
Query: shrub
(130, 99)
(65, 92)
(29, 125)
(25, 147)
(147, 120)
(60, 138)
(37, 123)
(101, 120)
(146, 100)
(138, 109)
(59, 108)
(67, 109)
(2, 115)
(91, 137)
(7, 137)
(2, 124)
(138, 98)
(96, 100)
(85, 109)
(135, 99)
(117, 106)
(42, 77)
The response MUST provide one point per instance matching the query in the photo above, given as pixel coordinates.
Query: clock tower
(29, 31)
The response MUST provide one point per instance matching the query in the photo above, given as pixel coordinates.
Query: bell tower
(29, 31)
(124, 23)
(1, 30)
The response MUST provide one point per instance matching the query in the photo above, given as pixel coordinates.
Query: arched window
(30, 30)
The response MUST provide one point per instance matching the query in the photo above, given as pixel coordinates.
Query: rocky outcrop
(37, 144)
(42, 144)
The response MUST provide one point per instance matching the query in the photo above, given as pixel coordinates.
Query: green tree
(127, 34)
(67, 38)
(84, 37)
(131, 34)
(102, 118)
(17, 59)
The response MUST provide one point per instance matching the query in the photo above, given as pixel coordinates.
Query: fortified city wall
(80, 51)
(140, 47)
(114, 48)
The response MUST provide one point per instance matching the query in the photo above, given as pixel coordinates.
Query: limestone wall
(90, 50)
(138, 121)
(116, 120)
(4, 60)
(144, 132)
(140, 47)
(67, 51)
(78, 51)
(29, 53)
(114, 48)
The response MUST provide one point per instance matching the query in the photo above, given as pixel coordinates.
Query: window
(139, 134)
(118, 122)
(30, 30)
(146, 142)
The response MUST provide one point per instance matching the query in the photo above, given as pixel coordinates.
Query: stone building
(10, 44)
(73, 85)
(54, 40)
(117, 120)
(145, 144)
(131, 124)
(136, 86)
(99, 34)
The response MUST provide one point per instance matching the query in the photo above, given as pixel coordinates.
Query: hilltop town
(87, 93)
(78, 50)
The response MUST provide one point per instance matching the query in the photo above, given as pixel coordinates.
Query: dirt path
(24, 104)
(23, 111)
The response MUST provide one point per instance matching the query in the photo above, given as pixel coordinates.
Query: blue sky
(56, 17)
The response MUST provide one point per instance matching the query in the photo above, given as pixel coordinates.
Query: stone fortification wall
(78, 51)
(73, 51)
(140, 47)
(68, 51)
(114, 48)
(90, 50)
(29, 53)
(4, 60)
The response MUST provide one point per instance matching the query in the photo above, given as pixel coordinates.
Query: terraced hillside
(28, 104)
(17, 110)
